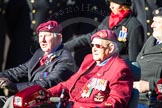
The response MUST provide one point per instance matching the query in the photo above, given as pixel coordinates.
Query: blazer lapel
(50, 60)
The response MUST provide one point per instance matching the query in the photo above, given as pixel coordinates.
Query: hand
(142, 86)
(8, 87)
(4, 82)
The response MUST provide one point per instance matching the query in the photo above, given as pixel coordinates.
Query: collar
(104, 62)
(54, 50)
(159, 42)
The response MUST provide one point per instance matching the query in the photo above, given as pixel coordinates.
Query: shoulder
(38, 52)
(134, 20)
(88, 59)
(120, 61)
(150, 38)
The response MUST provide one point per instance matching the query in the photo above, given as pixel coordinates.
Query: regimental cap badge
(49, 27)
(157, 12)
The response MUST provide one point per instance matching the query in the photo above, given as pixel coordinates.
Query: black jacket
(58, 69)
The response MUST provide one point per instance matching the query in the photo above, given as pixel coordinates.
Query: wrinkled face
(101, 49)
(48, 41)
(157, 28)
(115, 8)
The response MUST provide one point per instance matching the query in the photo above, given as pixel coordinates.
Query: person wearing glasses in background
(103, 80)
(50, 64)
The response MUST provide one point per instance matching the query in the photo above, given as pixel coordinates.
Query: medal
(101, 84)
(94, 83)
(123, 34)
(87, 90)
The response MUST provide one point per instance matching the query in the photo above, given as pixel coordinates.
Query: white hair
(56, 34)
(116, 49)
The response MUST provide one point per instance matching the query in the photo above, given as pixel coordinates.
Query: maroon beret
(49, 26)
(105, 34)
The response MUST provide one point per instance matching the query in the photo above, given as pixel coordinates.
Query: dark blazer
(150, 61)
(128, 50)
(59, 68)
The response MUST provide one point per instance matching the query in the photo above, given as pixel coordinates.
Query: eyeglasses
(97, 46)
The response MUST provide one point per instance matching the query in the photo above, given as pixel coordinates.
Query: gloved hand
(4, 82)
(8, 87)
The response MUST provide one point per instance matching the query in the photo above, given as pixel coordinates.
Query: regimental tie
(43, 60)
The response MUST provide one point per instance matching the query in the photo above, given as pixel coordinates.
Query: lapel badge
(98, 97)
(98, 74)
(52, 57)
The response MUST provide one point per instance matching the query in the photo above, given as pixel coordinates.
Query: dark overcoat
(150, 60)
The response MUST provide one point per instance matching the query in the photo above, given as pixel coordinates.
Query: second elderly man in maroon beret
(49, 65)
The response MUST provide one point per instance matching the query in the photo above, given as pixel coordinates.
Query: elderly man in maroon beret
(103, 80)
(49, 65)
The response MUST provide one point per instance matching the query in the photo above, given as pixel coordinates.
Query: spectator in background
(3, 4)
(18, 30)
(150, 61)
(49, 65)
(143, 11)
(85, 16)
(127, 28)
